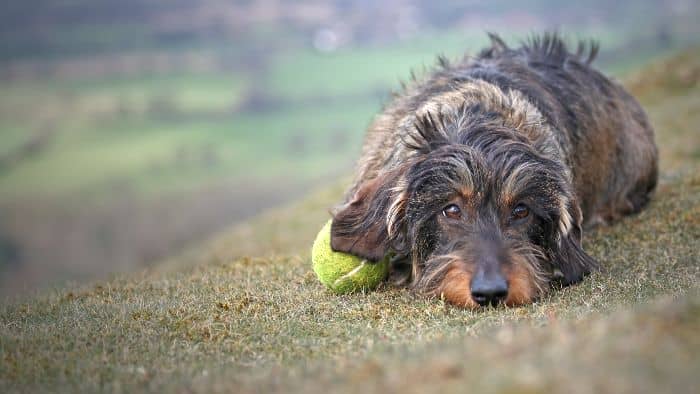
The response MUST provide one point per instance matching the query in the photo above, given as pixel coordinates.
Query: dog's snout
(489, 288)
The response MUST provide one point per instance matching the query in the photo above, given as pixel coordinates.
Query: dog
(479, 178)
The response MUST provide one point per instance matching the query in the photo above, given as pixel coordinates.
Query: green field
(244, 312)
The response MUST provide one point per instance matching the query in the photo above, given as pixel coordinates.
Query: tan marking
(507, 199)
(467, 192)
(523, 285)
(456, 288)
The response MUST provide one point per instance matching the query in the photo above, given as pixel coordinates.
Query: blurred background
(130, 130)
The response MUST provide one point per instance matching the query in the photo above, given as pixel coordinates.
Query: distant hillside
(38, 28)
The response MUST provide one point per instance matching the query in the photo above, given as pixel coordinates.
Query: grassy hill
(243, 312)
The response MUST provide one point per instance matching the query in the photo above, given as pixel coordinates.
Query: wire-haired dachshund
(479, 178)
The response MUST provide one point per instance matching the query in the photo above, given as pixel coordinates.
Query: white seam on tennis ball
(349, 274)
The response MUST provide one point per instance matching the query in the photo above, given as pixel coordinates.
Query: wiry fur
(534, 125)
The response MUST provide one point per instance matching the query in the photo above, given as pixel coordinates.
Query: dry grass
(220, 319)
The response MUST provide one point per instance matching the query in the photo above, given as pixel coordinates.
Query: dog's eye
(452, 211)
(520, 212)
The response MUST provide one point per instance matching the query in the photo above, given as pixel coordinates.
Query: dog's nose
(489, 288)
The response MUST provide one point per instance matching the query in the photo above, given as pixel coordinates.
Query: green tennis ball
(342, 272)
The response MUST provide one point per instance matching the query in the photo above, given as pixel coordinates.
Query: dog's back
(570, 112)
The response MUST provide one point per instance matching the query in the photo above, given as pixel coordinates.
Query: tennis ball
(342, 272)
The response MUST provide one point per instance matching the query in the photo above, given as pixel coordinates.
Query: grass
(244, 312)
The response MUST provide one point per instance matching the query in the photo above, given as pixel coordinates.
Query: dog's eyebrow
(516, 179)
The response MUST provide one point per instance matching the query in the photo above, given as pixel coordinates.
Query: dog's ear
(569, 257)
(360, 227)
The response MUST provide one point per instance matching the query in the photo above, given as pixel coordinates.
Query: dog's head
(481, 217)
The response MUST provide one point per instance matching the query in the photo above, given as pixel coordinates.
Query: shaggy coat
(479, 179)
